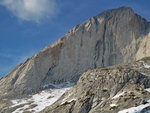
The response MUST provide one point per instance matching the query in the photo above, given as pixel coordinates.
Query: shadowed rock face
(110, 38)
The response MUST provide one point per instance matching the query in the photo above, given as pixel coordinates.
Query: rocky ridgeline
(107, 90)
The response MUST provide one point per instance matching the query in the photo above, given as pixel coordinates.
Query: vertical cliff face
(110, 38)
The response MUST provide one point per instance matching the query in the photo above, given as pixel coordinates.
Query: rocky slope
(108, 90)
(112, 37)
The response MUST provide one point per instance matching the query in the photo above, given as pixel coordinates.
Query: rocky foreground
(109, 90)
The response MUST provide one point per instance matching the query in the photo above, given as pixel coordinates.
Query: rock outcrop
(110, 38)
(144, 49)
(108, 90)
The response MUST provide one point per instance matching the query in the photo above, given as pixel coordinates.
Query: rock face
(112, 37)
(144, 50)
(107, 90)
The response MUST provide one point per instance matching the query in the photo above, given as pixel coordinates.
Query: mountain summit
(110, 38)
(113, 37)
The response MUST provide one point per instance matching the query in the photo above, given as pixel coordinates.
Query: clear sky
(27, 26)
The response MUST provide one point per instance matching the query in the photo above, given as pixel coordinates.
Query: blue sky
(27, 26)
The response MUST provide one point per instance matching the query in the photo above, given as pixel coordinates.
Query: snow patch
(145, 65)
(148, 89)
(65, 99)
(138, 108)
(135, 109)
(118, 95)
(18, 102)
(73, 99)
(40, 100)
(113, 105)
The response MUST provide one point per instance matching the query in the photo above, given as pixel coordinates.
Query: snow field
(40, 100)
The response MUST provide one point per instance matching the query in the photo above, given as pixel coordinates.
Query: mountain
(115, 36)
(110, 38)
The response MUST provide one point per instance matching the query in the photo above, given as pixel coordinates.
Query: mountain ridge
(108, 90)
(100, 41)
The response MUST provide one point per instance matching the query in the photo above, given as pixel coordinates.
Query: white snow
(65, 99)
(112, 105)
(42, 100)
(118, 95)
(73, 99)
(20, 110)
(148, 89)
(135, 109)
(18, 102)
(138, 108)
(145, 65)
